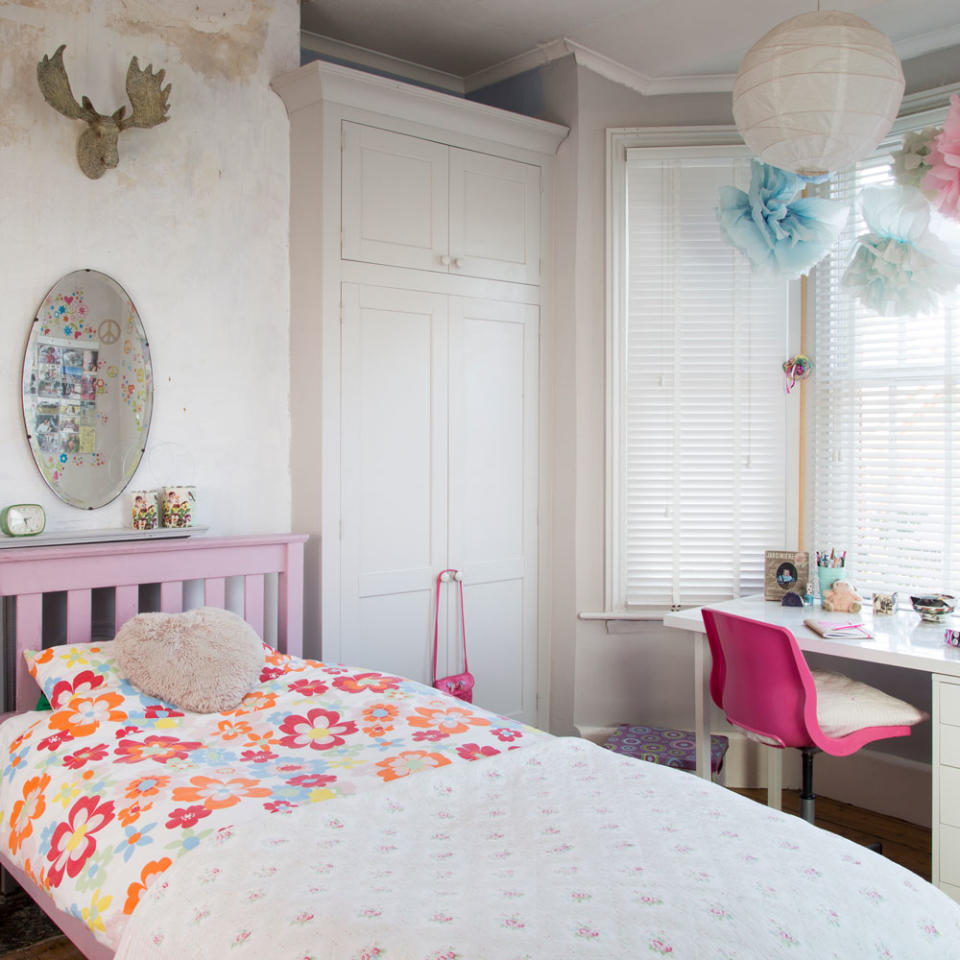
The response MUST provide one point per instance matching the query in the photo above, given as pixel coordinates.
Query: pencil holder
(829, 576)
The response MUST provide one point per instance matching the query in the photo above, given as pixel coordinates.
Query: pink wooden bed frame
(29, 572)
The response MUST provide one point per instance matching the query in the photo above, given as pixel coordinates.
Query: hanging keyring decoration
(796, 369)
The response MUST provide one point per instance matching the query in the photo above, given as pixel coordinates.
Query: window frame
(667, 141)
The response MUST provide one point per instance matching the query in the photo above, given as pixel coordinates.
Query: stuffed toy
(842, 597)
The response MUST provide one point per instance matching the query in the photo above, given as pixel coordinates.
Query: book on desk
(833, 630)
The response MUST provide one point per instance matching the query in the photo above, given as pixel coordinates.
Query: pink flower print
(319, 730)
(370, 913)
(308, 688)
(242, 937)
(930, 930)
(579, 896)
(440, 917)
(587, 933)
(874, 896)
(512, 922)
(660, 945)
(785, 937)
(719, 913)
(505, 734)
(812, 873)
(369, 953)
(649, 901)
(73, 841)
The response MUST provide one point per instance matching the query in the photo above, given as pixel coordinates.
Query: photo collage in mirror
(64, 387)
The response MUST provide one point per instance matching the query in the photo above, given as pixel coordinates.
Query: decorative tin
(178, 506)
(143, 509)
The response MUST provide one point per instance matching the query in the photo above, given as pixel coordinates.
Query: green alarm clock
(23, 520)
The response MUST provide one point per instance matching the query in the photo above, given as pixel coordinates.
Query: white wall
(193, 223)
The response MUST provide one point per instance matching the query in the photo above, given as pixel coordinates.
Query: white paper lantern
(818, 92)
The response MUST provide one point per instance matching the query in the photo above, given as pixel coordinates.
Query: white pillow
(205, 660)
(845, 705)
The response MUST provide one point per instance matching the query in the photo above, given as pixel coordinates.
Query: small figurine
(842, 597)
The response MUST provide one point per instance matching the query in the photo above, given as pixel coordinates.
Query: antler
(148, 97)
(55, 87)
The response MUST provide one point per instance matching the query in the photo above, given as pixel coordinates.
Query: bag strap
(436, 621)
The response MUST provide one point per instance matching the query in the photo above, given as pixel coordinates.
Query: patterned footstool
(672, 748)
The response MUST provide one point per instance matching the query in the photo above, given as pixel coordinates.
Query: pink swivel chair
(763, 684)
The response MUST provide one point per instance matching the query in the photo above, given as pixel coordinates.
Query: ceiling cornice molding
(339, 51)
(586, 57)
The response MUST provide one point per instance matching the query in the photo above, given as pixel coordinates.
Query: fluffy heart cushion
(204, 660)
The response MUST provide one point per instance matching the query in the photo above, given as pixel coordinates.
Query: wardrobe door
(493, 498)
(494, 217)
(394, 199)
(394, 475)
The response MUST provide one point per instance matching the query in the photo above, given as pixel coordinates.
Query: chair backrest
(761, 680)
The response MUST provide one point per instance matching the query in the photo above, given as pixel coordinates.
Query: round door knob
(458, 575)
(458, 262)
(445, 260)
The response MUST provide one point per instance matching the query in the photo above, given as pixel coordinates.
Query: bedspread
(560, 851)
(103, 795)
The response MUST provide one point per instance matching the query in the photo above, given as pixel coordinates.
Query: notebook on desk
(833, 630)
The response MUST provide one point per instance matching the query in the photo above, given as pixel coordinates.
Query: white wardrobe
(418, 230)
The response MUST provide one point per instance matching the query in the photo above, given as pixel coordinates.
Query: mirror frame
(109, 357)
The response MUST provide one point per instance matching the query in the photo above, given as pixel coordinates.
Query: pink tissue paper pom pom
(944, 160)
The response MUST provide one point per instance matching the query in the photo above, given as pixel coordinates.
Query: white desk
(902, 640)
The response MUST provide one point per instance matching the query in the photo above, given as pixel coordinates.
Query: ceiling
(665, 45)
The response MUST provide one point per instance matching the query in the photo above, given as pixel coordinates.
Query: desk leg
(774, 777)
(701, 696)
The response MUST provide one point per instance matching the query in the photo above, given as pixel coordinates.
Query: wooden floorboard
(903, 842)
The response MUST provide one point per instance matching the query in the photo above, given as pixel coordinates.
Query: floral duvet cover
(101, 796)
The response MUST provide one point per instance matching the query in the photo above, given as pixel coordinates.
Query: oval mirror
(87, 389)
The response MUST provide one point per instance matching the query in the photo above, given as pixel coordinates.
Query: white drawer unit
(946, 784)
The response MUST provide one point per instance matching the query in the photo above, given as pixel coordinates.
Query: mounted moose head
(97, 146)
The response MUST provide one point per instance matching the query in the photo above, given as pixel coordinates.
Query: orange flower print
(230, 730)
(84, 714)
(147, 877)
(132, 813)
(219, 794)
(372, 682)
(45, 657)
(446, 720)
(26, 810)
(260, 740)
(410, 761)
(257, 700)
(145, 787)
(380, 717)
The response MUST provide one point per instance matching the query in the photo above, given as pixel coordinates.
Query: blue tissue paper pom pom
(776, 230)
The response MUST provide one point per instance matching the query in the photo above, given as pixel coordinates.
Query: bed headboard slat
(123, 567)
(28, 637)
(127, 603)
(215, 592)
(171, 596)
(253, 601)
(79, 623)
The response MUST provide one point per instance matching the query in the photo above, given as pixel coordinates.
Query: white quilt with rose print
(560, 851)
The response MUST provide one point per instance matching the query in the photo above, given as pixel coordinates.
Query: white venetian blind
(885, 422)
(703, 404)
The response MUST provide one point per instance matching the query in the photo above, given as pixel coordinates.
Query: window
(699, 439)
(885, 422)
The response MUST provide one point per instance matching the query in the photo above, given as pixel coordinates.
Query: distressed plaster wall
(194, 223)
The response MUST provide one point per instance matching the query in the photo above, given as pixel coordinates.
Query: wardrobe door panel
(494, 217)
(394, 474)
(395, 199)
(493, 495)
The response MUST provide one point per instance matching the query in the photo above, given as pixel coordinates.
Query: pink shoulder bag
(458, 685)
